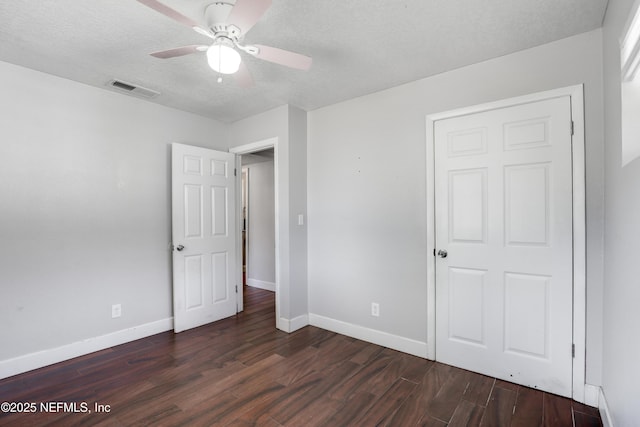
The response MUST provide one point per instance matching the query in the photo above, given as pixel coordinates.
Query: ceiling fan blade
(243, 76)
(179, 51)
(283, 57)
(204, 32)
(168, 12)
(246, 13)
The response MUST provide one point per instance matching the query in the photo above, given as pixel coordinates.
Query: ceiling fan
(228, 23)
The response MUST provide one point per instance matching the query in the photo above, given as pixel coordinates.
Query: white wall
(298, 206)
(85, 209)
(366, 187)
(621, 373)
(287, 124)
(261, 259)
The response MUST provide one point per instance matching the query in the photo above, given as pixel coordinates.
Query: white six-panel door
(203, 221)
(503, 214)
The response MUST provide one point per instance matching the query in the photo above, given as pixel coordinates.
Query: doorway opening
(258, 219)
(264, 156)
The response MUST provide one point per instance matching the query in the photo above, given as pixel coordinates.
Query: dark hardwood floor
(242, 372)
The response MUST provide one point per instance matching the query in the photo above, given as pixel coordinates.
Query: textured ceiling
(358, 46)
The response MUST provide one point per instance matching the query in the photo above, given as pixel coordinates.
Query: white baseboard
(292, 325)
(607, 421)
(29, 362)
(406, 345)
(591, 395)
(261, 284)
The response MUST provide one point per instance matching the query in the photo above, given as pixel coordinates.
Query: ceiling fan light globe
(223, 59)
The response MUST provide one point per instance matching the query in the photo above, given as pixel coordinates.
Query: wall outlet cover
(116, 310)
(375, 309)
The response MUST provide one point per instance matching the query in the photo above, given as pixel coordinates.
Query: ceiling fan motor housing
(216, 15)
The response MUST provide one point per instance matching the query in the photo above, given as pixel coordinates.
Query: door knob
(180, 248)
(442, 253)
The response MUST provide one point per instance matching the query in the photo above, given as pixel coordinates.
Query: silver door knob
(179, 248)
(442, 253)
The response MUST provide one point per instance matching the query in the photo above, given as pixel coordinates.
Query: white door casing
(204, 236)
(503, 212)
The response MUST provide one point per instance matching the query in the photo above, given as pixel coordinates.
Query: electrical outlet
(375, 309)
(116, 310)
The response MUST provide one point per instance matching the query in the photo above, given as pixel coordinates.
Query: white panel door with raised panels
(503, 190)
(203, 220)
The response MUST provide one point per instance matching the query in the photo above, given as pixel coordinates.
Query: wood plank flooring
(243, 372)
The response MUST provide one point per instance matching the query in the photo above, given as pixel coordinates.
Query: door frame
(248, 149)
(244, 216)
(576, 94)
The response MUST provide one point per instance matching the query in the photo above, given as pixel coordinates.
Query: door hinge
(434, 251)
(236, 289)
(572, 128)
(235, 171)
(573, 350)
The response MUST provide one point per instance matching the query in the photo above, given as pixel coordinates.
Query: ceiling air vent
(133, 89)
